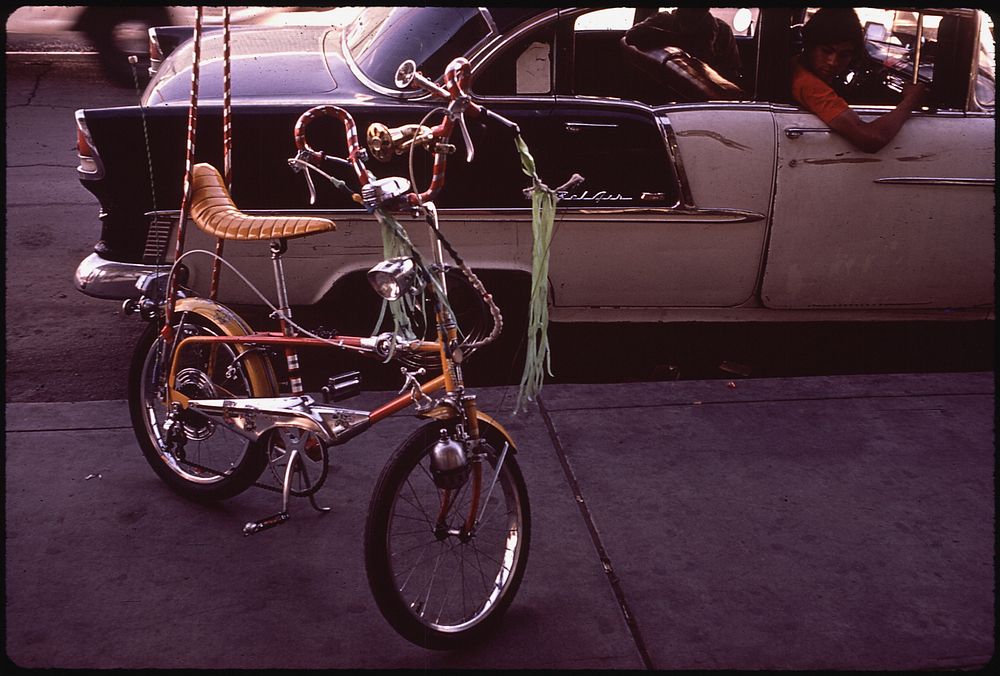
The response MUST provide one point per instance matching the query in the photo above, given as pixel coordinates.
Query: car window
(609, 19)
(661, 55)
(525, 67)
(897, 41)
(741, 20)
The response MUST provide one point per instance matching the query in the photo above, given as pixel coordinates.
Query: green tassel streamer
(537, 358)
(394, 246)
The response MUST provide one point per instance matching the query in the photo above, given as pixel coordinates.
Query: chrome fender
(258, 369)
(498, 427)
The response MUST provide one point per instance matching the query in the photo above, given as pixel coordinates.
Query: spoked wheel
(438, 585)
(214, 463)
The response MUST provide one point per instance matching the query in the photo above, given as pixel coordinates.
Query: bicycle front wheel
(438, 586)
(214, 463)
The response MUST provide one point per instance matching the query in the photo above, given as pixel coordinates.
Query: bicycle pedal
(343, 386)
(265, 523)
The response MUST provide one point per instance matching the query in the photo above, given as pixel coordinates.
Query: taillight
(90, 161)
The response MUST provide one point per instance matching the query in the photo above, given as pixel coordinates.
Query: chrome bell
(449, 466)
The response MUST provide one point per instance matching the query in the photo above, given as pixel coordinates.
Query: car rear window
(381, 38)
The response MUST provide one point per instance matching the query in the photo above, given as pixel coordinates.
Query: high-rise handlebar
(386, 142)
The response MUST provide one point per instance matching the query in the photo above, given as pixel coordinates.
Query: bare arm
(875, 135)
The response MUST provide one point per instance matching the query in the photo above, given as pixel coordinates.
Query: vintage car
(697, 205)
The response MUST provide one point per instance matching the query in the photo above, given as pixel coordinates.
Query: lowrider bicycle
(697, 205)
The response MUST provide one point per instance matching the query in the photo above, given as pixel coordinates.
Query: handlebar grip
(456, 74)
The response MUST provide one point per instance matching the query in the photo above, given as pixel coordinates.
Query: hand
(914, 95)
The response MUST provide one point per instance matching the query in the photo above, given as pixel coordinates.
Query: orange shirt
(815, 95)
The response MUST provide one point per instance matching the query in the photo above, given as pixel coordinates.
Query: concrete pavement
(807, 523)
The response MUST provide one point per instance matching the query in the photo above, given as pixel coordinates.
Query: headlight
(394, 277)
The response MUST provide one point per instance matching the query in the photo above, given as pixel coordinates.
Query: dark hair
(831, 25)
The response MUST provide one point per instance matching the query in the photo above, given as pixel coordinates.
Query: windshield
(381, 38)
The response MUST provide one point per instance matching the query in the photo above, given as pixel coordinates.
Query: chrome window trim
(714, 105)
(489, 21)
(484, 53)
(974, 103)
(682, 185)
(606, 101)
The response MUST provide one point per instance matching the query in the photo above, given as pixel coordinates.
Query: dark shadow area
(617, 353)
(695, 351)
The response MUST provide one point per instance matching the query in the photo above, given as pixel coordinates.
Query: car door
(673, 213)
(911, 226)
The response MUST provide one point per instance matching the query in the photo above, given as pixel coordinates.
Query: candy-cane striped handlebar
(385, 142)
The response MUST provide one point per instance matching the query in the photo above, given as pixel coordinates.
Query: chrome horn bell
(449, 466)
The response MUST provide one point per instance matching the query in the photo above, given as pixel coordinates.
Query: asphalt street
(839, 523)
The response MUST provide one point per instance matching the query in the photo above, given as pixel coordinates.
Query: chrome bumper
(101, 278)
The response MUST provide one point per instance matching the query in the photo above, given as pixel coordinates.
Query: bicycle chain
(256, 484)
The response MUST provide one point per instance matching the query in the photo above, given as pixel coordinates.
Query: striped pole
(192, 128)
(227, 141)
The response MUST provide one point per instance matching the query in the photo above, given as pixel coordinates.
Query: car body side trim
(685, 214)
(936, 180)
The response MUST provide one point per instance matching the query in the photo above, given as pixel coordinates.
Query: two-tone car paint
(729, 210)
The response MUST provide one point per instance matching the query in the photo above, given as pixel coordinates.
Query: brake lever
(470, 150)
(296, 163)
(312, 188)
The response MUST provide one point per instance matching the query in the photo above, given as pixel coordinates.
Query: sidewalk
(809, 523)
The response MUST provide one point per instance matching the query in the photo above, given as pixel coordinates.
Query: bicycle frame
(211, 416)
(255, 417)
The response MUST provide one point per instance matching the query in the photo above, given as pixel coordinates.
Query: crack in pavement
(616, 586)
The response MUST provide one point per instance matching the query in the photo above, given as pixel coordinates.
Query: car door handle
(576, 127)
(795, 132)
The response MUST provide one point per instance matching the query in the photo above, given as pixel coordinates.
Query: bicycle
(448, 527)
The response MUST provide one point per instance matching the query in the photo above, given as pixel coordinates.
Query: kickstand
(305, 476)
(295, 464)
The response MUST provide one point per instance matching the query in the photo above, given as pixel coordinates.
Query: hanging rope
(192, 129)
(227, 141)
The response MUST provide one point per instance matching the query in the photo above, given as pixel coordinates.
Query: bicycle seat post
(278, 248)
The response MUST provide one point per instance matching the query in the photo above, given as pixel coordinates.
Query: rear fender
(258, 368)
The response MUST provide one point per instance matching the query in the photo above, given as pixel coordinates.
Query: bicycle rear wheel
(215, 463)
(438, 588)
